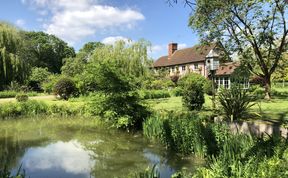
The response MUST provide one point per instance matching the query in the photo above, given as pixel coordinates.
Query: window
(195, 66)
(226, 82)
(246, 84)
(173, 69)
(183, 68)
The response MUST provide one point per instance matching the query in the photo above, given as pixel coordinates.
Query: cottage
(201, 59)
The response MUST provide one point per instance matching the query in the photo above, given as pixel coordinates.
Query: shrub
(161, 84)
(184, 133)
(8, 94)
(65, 88)
(193, 92)
(235, 102)
(49, 84)
(21, 97)
(207, 84)
(177, 91)
(154, 94)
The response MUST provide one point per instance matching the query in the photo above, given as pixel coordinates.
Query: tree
(46, 50)
(75, 65)
(255, 29)
(12, 66)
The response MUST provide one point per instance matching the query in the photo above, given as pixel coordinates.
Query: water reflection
(69, 151)
(68, 158)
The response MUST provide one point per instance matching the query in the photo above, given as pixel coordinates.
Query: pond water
(79, 148)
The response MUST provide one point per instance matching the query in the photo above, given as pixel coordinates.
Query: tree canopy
(47, 50)
(12, 67)
(255, 29)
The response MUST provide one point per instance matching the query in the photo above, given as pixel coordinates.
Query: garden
(104, 111)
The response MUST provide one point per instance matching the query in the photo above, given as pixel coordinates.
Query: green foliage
(39, 74)
(117, 100)
(193, 91)
(244, 156)
(154, 94)
(235, 102)
(12, 66)
(252, 29)
(6, 173)
(33, 108)
(184, 133)
(46, 51)
(49, 84)
(65, 88)
(177, 91)
(21, 97)
(12, 94)
(148, 173)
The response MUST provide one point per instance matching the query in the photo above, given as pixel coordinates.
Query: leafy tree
(255, 29)
(12, 66)
(193, 91)
(118, 100)
(39, 74)
(73, 66)
(65, 87)
(46, 50)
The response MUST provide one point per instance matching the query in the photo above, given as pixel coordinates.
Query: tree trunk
(267, 88)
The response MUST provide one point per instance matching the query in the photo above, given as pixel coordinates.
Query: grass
(276, 109)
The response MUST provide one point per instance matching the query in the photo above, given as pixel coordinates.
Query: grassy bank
(226, 154)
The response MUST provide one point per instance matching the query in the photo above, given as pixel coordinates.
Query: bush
(65, 88)
(193, 91)
(21, 97)
(235, 102)
(8, 94)
(207, 84)
(177, 91)
(154, 94)
(161, 84)
(32, 108)
(184, 133)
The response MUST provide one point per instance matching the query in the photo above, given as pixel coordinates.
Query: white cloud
(20, 22)
(60, 155)
(83, 18)
(156, 48)
(112, 39)
(182, 45)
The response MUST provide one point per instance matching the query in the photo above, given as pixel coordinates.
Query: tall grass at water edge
(32, 108)
(226, 154)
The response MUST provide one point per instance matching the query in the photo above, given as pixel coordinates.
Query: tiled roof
(227, 68)
(183, 56)
(162, 61)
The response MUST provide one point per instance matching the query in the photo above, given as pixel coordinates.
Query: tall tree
(255, 29)
(12, 67)
(75, 65)
(47, 50)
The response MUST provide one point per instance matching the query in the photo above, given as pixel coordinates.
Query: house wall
(197, 67)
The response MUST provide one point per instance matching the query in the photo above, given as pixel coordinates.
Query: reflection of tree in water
(12, 150)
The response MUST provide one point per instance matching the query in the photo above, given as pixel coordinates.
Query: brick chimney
(172, 47)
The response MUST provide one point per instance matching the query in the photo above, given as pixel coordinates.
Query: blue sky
(80, 21)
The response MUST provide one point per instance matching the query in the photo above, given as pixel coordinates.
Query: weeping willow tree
(128, 59)
(12, 67)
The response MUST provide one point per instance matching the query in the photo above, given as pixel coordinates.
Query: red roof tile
(227, 68)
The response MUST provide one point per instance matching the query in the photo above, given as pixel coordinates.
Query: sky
(80, 21)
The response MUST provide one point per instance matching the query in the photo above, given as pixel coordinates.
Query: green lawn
(275, 109)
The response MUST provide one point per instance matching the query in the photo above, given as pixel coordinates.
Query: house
(198, 59)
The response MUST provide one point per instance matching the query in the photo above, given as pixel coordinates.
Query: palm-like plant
(235, 102)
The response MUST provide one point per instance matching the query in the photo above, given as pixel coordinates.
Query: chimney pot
(172, 47)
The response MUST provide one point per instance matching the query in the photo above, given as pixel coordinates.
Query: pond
(82, 148)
